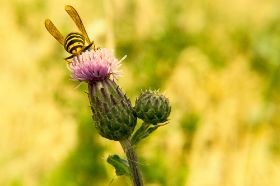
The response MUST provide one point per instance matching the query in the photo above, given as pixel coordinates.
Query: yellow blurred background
(217, 61)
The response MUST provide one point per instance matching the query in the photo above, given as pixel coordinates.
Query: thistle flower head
(152, 107)
(94, 65)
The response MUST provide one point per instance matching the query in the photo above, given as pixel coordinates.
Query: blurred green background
(217, 61)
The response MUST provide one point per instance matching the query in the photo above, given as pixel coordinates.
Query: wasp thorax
(74, 42)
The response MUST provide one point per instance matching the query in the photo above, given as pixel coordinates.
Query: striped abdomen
(74, 42)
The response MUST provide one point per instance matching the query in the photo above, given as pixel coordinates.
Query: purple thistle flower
(95, 65)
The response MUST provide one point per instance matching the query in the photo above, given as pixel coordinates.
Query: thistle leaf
(121, 165)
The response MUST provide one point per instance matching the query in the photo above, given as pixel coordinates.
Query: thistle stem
(136, 177)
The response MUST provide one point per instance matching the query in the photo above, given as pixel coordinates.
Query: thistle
(111, 109)
(152, 107)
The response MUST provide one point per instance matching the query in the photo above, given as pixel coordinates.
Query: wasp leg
(88, 47)
(69, 57)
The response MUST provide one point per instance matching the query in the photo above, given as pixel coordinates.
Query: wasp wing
(76, 18)
(54, 31)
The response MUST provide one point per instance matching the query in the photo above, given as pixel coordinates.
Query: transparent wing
(76, 18)
(54, 31)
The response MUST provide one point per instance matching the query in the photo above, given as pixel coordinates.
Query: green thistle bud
(152, 107)
(112, 110)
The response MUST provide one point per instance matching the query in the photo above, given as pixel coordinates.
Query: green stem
(138, 135)
(136, 177)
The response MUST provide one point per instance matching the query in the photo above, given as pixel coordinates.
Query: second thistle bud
(112, 110)
(152, 107)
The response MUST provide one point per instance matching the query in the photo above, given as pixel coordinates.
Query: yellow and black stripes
(74, 42)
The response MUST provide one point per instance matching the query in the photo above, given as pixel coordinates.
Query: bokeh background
(217, 61)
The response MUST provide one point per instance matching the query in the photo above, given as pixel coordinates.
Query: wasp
(75, 42)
